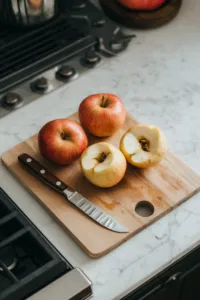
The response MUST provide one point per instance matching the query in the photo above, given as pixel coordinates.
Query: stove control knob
(40, 85)
(118, 46)
(90, 59)
(120, 41)
(66, 73)
(12, 101)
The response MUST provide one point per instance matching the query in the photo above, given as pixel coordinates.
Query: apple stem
(104, 102)
(64, 136)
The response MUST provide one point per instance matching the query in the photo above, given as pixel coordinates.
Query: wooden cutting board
(165, 187)
(141, 19)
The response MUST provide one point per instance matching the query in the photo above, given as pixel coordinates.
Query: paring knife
(71, 195)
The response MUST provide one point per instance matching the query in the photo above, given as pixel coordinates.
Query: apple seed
(102, 156)
(145, 144)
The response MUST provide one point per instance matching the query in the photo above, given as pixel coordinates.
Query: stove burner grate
(8, 259)
(28, 262)
(27, 53)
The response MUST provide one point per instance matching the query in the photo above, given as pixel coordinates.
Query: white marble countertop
(158, 78)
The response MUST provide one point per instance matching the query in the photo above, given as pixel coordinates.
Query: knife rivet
(58, 183)
(29, 160)
(42, 171)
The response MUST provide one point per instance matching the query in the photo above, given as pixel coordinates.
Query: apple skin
(142, 4)
(62, 141)
(106, 173)
(102, 114)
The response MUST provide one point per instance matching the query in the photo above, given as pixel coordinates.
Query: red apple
(102, 114)
(36, 3)
(62, 141)
(142, 4)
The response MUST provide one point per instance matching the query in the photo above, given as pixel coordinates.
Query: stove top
(28, 261)
(37, 61)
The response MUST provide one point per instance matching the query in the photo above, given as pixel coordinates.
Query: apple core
(145, 144)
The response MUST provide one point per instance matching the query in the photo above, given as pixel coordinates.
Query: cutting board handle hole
(144, 209)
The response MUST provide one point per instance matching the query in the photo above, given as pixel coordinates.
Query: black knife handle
(39, 171)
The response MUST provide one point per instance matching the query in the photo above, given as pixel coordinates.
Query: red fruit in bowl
(62, 141)
(102, 114)
(142, 4)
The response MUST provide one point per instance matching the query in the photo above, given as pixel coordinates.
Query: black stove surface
(24, 53)
(28, 261)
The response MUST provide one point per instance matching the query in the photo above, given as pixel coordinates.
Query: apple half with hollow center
(142, 4)
(102, 114)
(144, 145)
(62, 141)
(103, 164)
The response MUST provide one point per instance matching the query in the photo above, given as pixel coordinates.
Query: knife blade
(83, 204)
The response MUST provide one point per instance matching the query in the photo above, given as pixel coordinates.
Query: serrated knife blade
(83, 204)
(94, 212)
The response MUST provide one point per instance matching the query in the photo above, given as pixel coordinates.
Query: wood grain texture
(141, 19)
(165, 186)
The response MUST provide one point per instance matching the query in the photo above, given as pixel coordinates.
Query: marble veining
(158, 78)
